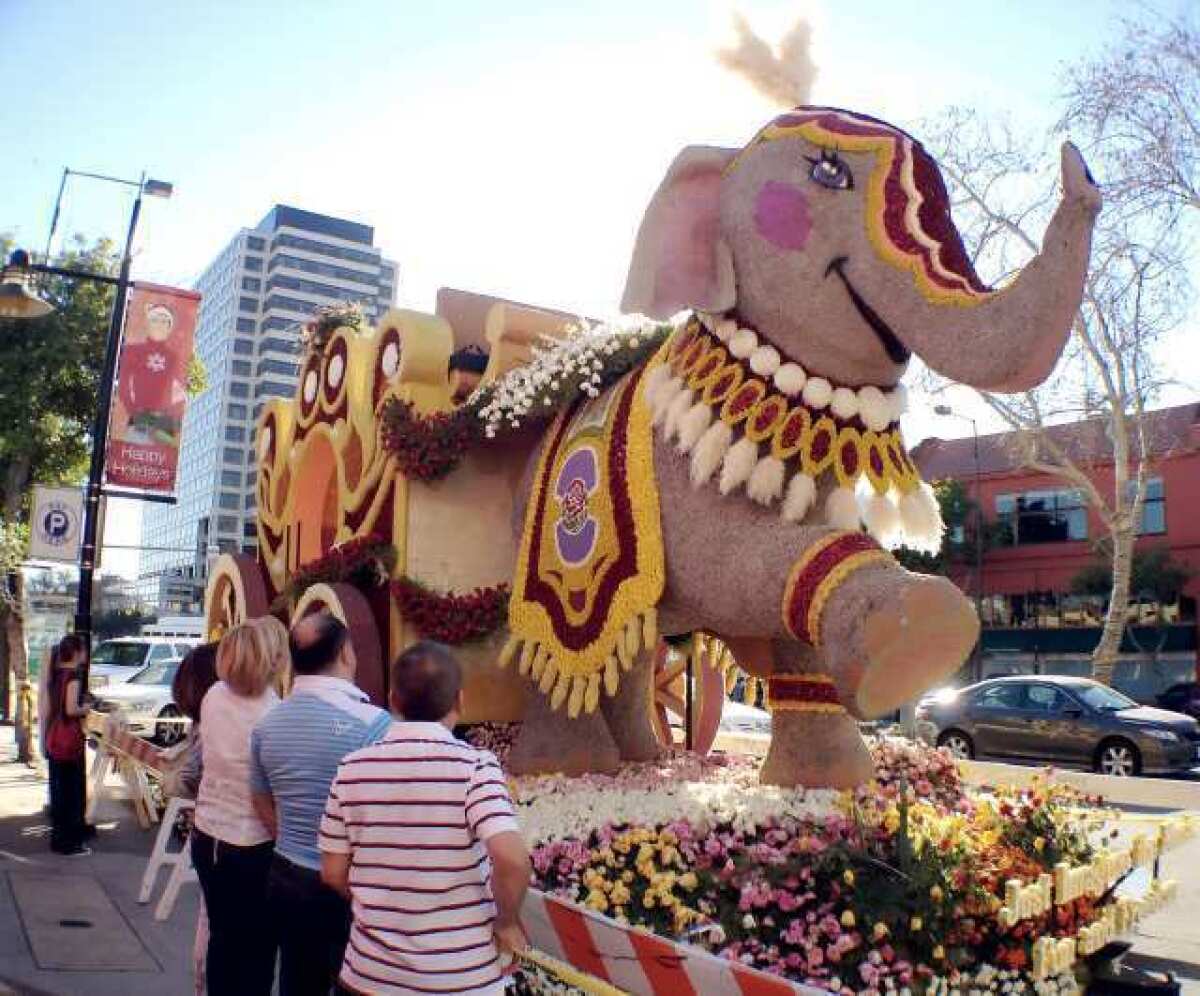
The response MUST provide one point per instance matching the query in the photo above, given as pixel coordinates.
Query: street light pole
(91, 508)
(977, 664)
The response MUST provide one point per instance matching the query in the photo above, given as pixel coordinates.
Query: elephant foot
(552, 743)
(816, 750)
(628, 713)
(913, 644)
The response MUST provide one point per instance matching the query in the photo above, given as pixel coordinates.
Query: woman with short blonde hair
(244, 661)
(274, 635)
(231, 846)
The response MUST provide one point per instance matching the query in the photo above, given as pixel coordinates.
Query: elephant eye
(830, 171)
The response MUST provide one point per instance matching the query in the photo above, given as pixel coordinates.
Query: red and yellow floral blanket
(590, 569)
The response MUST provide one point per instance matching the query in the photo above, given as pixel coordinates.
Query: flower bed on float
(910, 883)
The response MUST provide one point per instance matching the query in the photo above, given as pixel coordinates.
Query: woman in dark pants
(64, 748)
(231, 846)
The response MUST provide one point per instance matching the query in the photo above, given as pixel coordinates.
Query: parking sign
(56, 524)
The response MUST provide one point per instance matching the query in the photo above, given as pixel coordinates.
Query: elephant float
(737, 471)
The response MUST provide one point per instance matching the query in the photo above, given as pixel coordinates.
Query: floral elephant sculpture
(815, 262)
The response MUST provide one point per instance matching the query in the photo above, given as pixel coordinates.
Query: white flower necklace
(735, 405)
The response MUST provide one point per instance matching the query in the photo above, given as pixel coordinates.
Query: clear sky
(500, 147)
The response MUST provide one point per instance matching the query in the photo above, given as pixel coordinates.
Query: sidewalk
(110, 946)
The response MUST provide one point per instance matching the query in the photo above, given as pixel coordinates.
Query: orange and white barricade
(131, 757)
(606, 957)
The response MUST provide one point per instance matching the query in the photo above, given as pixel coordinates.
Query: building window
(271, 389)
(254, 242)
(324, 249)
(245, 324)
(277, 367)
(1042, 517)
(278, 324)
(250, 530)
(230, 478)
(232, 455)
(235, 434)
(251, 284)
(243, 347)
(321, 269)
(254, 263)
(278, 345)
(250, 502)
(240, 368)
(236, 411)
(226, 500)
(251, 478)
(239, 389)
(1154, 509)
(311, 286)
(227, 524)
(247, 304)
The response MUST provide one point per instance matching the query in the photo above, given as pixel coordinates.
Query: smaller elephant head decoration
(830, 233)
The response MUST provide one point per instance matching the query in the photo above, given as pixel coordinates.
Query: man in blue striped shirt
(295, 751)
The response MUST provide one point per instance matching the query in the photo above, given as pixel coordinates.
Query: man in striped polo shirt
(419, 832)
(295, 750)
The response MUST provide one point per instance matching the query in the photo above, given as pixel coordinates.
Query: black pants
(66, 804)
(242, 939)
(313, 923)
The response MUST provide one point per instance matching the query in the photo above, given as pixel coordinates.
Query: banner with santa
(151, 394)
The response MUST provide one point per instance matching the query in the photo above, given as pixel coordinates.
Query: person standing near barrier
(63, 744)
(231, 846)
(196, 674)
(296, 750)
(419, 831)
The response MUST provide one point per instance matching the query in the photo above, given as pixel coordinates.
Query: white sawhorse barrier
(179, 862)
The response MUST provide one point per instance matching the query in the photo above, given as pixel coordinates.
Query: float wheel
(349, 605)
(236, 591)
(668, 705)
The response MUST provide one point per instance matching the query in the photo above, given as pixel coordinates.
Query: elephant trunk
(1010, 341)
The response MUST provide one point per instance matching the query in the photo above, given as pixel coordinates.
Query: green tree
(49, 375)
(121, 622)
(1155, 576)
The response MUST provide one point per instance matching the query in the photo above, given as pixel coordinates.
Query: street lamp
(977, 653)
(16, 298)
(19, 302)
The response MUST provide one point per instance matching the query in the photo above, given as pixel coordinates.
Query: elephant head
(830, 233)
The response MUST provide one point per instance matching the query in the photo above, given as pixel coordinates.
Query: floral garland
(427, 448)
(453, 617)
(750, 420)
(365, 561)
(561, 370)
(584, 363)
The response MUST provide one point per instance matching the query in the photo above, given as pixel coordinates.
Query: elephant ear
(680, 260)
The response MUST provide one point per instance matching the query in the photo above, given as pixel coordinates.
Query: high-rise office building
(257, 294)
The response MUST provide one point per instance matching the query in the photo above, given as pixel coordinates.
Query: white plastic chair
(180, 862)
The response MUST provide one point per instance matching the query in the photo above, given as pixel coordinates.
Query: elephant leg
(552, 742)
(813, 749)
(628, 712)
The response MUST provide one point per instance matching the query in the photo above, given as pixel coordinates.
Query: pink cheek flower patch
(781, 215)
